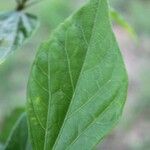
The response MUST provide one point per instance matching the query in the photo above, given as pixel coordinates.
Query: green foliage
(8, 123)
(78, 83)
(18, 139)
(53, 12)
(1, 147)
(139, 15)
(137, 12)
(16, 27)
(116, 17)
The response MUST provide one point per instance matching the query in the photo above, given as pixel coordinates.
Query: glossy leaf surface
(78, 83)
(15, 28)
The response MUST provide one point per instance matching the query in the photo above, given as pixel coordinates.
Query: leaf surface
(78, 83)
(15, 28)
(18, 139)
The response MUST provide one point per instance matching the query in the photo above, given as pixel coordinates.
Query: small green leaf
(118, 18)
(8, 123)
(18, 139)
(15, 28)
(78, 83)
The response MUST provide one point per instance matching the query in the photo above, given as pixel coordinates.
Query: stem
(20, 7)
(21, 4)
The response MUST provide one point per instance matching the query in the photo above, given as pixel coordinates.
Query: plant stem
(21, 5)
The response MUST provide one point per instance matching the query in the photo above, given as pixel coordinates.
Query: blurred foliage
(140, 12)
(137, 12)
(19, 138)
(119, 20)
(53, 12)
(1, 147)
(8, 123)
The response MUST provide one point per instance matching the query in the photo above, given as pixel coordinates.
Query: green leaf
(118, 18)
(18, 139)
(78, 83)
(8, 123)
(1, 146)
(15, 28)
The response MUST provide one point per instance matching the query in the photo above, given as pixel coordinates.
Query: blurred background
(133, 131)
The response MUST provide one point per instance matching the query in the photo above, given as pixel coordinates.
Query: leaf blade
(15, 28)
(18, 138)
(80, 63)
(9, 122)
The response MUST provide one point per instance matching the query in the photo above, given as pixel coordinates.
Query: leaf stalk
(21, 4)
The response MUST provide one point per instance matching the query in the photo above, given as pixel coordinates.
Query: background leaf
(1, 147)
(18, 139)
(8, 123)
(15, 28)
(118, 18)
(78, 83)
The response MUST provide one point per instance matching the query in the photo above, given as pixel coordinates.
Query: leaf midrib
(49, 102)
(60, 131)
(68, 64)
(103, 111)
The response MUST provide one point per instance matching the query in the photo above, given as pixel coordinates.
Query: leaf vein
(94, 121)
